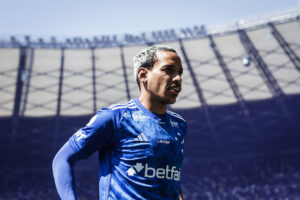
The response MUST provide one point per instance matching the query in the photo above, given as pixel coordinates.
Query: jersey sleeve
(96, 135)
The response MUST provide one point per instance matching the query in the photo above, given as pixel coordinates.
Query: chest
(145, 139)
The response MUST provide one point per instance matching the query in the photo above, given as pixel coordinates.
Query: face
(164, 79)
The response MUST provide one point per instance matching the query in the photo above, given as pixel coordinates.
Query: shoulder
(177, 121)
(175, 116)
(123, 106)
(116, 111)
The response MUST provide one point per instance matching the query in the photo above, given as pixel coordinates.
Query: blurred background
(61, 61)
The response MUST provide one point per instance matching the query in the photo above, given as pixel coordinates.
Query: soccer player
(140, 143)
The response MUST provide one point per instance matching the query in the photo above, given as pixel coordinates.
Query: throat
(153, 106)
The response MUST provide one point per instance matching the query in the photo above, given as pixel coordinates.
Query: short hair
(147, 57)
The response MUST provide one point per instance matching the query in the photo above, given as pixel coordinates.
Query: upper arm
(66, 154)
(96, 135)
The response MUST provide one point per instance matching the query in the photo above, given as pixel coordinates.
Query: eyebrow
(173, 66)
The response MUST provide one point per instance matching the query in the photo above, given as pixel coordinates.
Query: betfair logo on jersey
(170, 173)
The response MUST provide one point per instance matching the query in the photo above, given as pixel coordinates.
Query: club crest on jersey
(139, 116)
(126, 114)
(170, 173)
(174, 124)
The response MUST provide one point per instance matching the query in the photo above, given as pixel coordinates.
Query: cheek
(163, 83)
(158, 83)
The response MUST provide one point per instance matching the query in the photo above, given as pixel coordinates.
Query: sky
(87, 18)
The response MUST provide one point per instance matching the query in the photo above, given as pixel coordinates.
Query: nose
(177, 78)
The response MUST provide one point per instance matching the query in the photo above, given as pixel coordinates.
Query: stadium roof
(46, 79)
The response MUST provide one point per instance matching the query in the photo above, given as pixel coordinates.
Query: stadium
(240, 97)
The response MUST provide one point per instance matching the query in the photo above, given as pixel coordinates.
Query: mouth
(175, 89)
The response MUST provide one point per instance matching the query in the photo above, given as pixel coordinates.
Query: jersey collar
(157, 117)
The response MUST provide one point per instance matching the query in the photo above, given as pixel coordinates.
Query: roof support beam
(201, 98)
(28, 78)
(266, 74)
(18, 97)
(197, 86)
(194, 79)
(59, 95)
(285, 46)
(60, 84)
(235, 89)
(124, 73)
(94, 80)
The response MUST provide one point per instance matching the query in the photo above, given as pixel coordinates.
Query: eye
(168, 70)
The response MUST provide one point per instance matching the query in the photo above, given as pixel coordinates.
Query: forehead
(167, 58)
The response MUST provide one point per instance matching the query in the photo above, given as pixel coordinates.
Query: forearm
(62, 167)
(64, 180)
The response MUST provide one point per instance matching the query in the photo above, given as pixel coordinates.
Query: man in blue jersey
(140, 143)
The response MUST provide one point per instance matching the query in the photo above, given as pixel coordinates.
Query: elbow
(59, 162)
(55, 164)
(66, 157)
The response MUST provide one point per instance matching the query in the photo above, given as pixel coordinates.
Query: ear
(142, 74)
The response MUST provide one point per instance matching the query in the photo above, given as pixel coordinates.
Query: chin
(170, 100)
(167, 99)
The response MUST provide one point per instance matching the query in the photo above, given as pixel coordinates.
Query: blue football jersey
(140, 153)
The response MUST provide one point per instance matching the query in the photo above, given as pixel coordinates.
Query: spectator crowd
(247, 179)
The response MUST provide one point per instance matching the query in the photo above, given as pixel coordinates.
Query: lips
(174, 88)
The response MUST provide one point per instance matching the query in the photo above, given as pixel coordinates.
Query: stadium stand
(240, 97)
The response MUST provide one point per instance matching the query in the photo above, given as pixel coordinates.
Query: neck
(152, 105)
